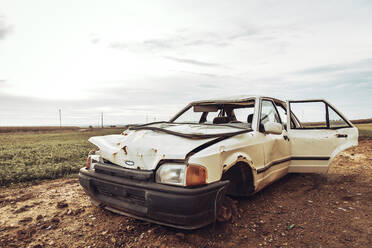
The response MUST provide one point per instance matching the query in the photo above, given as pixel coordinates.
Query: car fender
(218, 159)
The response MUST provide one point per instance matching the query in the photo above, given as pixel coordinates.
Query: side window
(317, 115)
(310, 114)
(335, 120)
(282, 113)
(268, 112)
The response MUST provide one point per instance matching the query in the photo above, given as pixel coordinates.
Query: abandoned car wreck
(177, 173)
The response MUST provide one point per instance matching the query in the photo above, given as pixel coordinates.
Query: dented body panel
(144, 148)
(192, 155)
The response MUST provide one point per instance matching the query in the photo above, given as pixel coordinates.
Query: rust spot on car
(125, 150)
(92, 152)
(154, 150)
(118, 144)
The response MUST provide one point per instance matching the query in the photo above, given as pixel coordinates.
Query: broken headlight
(171, 174)
(181, 175)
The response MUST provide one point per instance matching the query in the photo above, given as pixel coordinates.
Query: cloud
(158, 44)
(201, 42)
(324, 69)
(151, 45)
(203, 74)
(190, 41)
(145, 45)
(178, 53)
(119, 45)
(95, 40)
(365, 63)
(192, 61)
(245, 33)
(121, 105)
(175, 41)
(161, 97)
(5, 29)
(3, 84)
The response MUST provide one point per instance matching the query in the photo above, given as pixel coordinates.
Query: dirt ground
(305, 210)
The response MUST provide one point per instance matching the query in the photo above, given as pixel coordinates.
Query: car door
(276, 146)
(318, 134)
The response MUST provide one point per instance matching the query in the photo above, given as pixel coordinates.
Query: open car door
(318, 132)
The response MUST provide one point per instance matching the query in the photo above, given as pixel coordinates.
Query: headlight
(181, 175)
(171, 174)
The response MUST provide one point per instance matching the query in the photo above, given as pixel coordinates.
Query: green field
(365, 130)
(31, 156)
(36, 156)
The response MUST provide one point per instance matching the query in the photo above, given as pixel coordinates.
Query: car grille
(118, 171)
(135, 196)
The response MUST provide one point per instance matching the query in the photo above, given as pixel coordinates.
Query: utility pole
(60, 118)
(102, 119)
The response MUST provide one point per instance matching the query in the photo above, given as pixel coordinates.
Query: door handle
(339, 135)
(286, 137)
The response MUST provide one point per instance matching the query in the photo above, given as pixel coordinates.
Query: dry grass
(365, 130)
(35, 129)
(34, 156)
(362, 121)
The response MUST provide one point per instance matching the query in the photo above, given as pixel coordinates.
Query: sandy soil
(309, 210)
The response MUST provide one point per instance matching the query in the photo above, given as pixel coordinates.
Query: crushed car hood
(142, 147)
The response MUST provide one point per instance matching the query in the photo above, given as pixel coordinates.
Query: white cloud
(5, 29)
(117, 55)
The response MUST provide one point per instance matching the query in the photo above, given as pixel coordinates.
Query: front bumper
(184, 208)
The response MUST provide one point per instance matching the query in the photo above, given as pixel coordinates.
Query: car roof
(233, 99)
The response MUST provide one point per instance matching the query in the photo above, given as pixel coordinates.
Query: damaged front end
(144, 173)
(134, 193)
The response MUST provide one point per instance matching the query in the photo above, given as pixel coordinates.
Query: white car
(177, 172)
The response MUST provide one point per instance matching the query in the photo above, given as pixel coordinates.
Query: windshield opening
(239, 114)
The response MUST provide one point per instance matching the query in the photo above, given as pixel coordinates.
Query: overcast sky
(132, 59)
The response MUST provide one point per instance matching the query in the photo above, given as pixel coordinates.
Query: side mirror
(273, 128)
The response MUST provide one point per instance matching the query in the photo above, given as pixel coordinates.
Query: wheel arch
(241, 176)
